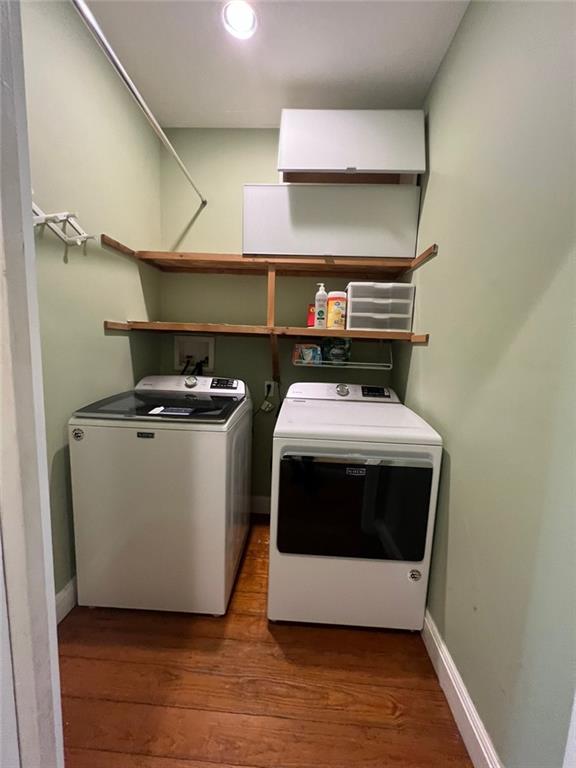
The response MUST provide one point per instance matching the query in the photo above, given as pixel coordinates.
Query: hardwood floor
(155, 690)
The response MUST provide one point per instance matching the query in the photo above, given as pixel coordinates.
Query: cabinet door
(364, 140)
(331, 220)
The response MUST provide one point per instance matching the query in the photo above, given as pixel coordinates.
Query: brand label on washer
(356, 471)
(146, 435)
(78, 434)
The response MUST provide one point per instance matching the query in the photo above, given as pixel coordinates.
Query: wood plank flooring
(154, 690)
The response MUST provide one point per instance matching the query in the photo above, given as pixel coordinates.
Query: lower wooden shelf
(165, 327)
(263, 330)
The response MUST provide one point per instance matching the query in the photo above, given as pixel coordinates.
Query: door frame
(24, 490)
(570, 753)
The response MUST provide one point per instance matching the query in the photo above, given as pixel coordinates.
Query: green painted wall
(92, 152)
(497, 379)
(222, 161)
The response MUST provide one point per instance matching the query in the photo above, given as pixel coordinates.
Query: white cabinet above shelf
(352, 141)
(331, 220)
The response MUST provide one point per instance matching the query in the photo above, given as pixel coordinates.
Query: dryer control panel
(309, 390)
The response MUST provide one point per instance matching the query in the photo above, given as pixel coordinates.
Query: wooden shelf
(165, 327)
(263, 330)
(237, 264)
(270, 266)
(336, 333)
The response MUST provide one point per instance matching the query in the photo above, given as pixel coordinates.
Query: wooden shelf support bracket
(424, 256)
(271, 305)
(114, 245)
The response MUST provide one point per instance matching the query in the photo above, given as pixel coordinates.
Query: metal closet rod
(88, 18)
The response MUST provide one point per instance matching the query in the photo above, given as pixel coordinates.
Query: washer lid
(354, 421)
(164, 406)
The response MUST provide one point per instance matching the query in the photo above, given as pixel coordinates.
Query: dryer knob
(190, 382)
(342, 390)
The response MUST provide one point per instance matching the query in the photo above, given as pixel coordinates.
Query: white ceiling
(305, 53)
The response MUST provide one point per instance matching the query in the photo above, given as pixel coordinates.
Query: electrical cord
(199, 367)
(189, 359)
(267, 406)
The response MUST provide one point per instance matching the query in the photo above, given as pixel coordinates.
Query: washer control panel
(224, 384)
(193, 385)
(376, 392)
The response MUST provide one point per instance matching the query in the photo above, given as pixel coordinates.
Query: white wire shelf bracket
(386, 364)
(350, 364)
(64, 225)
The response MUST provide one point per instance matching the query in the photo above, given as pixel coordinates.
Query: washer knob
(190, 382)
(342, 390)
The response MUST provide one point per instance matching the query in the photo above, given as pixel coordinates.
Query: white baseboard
(261, 505)
(471, 727)
(65, 600)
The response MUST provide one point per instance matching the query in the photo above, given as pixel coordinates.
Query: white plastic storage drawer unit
(364, 220)
(352, 140)
(380, 306)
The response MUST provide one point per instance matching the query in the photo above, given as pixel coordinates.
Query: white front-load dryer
(161, 494)
(354, 486)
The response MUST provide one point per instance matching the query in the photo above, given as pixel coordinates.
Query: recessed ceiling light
(239, 19)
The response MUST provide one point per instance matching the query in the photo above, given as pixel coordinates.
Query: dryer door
(332, 507)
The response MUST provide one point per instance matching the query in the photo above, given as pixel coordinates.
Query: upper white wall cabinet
(352, 140)
(331, 220)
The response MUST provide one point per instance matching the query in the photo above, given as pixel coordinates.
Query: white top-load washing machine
(354, 487)
(161, 484)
